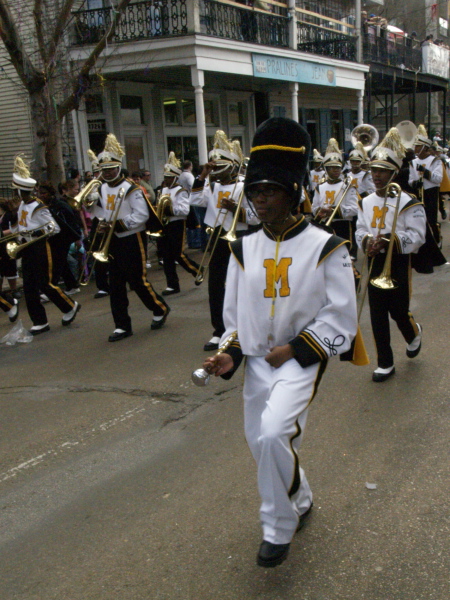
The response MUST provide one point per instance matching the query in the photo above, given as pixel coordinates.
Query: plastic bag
(17, 334)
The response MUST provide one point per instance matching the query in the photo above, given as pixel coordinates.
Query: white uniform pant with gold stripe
(275, 409)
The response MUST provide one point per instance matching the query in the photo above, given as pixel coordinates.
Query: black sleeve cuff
(198, 184)
(307, 350)
(120, 227)
(234, 350)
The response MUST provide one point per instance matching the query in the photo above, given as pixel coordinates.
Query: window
(181, 111)
(336, 128)
(170, 111)
(131, 110)
(189, 116)
(94, 104)
(236, 114)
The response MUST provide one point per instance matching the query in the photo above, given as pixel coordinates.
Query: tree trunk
(47, 157)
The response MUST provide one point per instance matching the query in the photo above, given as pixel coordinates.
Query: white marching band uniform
(363, 182)
(260, 306)
(133, 213)
(328, 195)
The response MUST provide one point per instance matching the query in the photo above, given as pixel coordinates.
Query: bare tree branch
(30, 76)
(37, 14)
(61, 24)
(81, 80)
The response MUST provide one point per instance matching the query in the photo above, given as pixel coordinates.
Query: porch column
(360, 98)
(198, 81)
(292, 25)
(294, 93)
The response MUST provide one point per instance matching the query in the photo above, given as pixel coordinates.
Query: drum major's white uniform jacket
(202, 195)
(297, 289)
(133, 212)
(328, 195)
(374, 217)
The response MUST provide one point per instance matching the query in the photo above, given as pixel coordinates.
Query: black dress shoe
(101, 294)
(303, 519)
(209, 347)
(170, 291)
(413, 353)
(119, 335)
(15, 316)
(160, 323)
(272, 555)
(379, 377)
(34, 331)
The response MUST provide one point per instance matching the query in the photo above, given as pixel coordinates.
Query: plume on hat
(237, 150)
(389, 154)
(317, 157)
(92, 156)
(113, 147)
(20, 167)
(332, 147)
(421, 130)
(393, 142)
(173, 160)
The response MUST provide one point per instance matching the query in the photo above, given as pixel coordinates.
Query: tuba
(367, 135)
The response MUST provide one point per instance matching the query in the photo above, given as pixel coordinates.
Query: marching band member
(174, 231)
(317, 173)
(425, 174)
(122, 205)
(361, 180)
(374, 230)
(221, 202)
(329, 193)
(101, 268)
(10, 306)
(291, 299)
(37, 259)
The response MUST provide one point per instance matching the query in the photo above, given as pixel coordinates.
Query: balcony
(389, 49)
(321, 33)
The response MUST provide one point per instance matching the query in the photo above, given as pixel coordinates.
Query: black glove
(420, 168)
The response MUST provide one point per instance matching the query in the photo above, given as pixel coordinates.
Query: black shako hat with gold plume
(279, 155)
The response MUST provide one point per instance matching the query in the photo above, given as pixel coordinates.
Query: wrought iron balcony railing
(325, 42)
(244, 24)
(141, 20)
(381, 46)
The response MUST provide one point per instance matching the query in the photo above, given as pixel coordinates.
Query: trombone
(13, 248)
(82, 280)
(103, 254)
(202, 269)
(348, 184)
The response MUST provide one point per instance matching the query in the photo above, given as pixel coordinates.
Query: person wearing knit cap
(373, 233)
(221, 199)
(425, 176)
(317, 173)
(174, 230)
(290, 300)
(122, 205)
(34, 220)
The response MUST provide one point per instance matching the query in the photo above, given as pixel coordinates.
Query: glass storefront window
(336, 126)
(188, 107)
(236, 113)
(170, 111)
(131, 110)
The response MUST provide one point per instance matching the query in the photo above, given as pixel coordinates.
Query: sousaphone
(407, 131)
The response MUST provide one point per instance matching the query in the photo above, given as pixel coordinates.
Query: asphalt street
(121, 480)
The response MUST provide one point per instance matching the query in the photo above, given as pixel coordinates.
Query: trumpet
(201, 377)
(103, 254)
(82, 198)
(13, 248)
